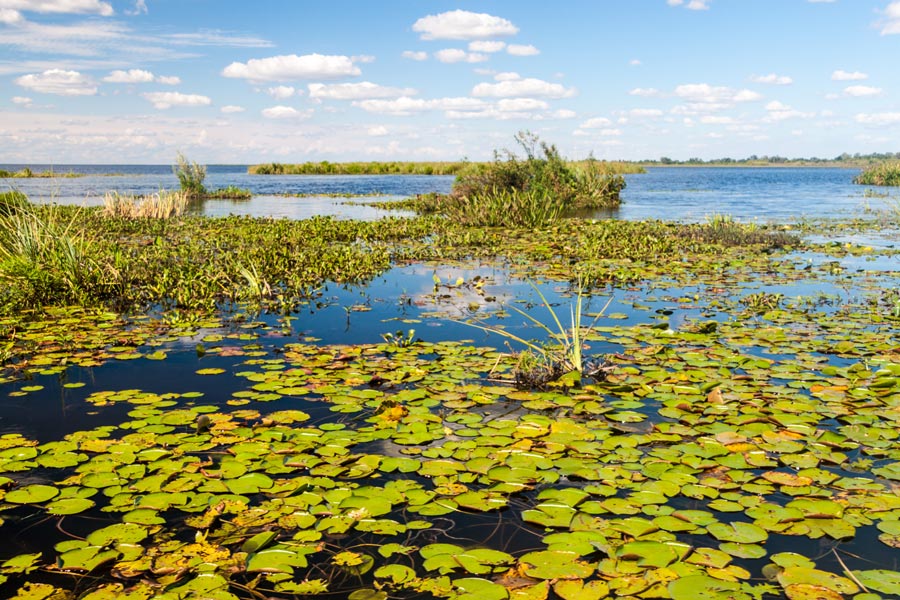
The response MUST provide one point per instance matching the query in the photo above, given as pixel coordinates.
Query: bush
(882, 174)
(190, 175)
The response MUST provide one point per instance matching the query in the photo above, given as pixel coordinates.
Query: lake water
(669, 193)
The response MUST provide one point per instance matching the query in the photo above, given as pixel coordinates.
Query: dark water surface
(669, 193)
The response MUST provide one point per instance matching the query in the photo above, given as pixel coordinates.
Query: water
(669, 193)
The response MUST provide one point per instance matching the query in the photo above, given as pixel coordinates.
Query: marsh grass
(504, 208)
(361, 168)
(45, 258)
(12, 201)
(724, 230)
(562, 355)
(230, 192)
(161, 205)
(887, 173)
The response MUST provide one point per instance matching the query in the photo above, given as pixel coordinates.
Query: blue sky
(135, 81)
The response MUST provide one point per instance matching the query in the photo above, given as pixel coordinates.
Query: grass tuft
(161, 205)
(887, 173)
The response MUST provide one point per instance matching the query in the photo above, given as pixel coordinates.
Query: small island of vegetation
(887, 174)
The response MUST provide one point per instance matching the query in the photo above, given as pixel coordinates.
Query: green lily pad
(32, 494)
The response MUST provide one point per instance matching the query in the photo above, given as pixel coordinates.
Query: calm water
(683, 194)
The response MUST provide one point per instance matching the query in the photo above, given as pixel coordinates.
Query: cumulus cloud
(878, 119)
(405, 105)
(140, 8)
(645, 113)
(862, 91)
(526, 88)
(486, 46)
(139, 76)
(890, 24)
(231, 109)
(716, 120)
(378, 130)
(778, 111)
(357, 91)
(645, 92)
(634, 62)
(772, 79)
(291, 66)
(164, 100)
(705, 93)
(60, 82)
(280, 92)
(841, 75)
(521, 104)
(286, 112)
(595, 123)
(564, 113)
(21, 100)
(691, 4)
(462, 25)
(455, 55)
(9, 16)
(507, 76)
(415, 55)
(522, 50)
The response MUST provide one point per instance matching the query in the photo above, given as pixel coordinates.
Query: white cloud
(507, 76)
(291, 66)
(716, 120)
(521, 104)
(363, 58)
(59, 6)
(140, 76)
(405, 105)
(9, 16)
(645, 113)
(890, 25)
(140, 8)
(528, 87)
(462, 25)
(21, 100)
(415, 55)
(564, 113)
(634, 62)
(878, 119)
(595, 123)
(164, 100)
(130, 76)
(357, 91)
(286, 112)
(772, 79)
(841, 75)
(705, 93)
(646, 92)
(778, 111)
(231, 108)
(455, 55)
(691, 5)
(487, 46)
(60, 82)
(280, 92)
(377, 131)
(862, 91)
(522, 50)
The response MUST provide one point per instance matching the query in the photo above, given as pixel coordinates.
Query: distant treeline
(402, 168)
(845, 160)
(27, 173)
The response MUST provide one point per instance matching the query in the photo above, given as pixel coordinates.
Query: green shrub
(190, 175)
(887, 173)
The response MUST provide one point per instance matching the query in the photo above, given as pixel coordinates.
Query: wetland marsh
(253, 407)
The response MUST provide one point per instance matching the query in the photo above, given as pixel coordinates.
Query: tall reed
(887, 173)
(161, 205)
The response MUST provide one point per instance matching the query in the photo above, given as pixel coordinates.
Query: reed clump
(161, 205)
(887, 173)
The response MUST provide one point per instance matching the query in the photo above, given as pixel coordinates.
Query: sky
(238, 82)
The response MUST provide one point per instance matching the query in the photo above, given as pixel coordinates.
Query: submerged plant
(563, 354)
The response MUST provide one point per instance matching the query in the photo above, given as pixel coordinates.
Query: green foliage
(360, 168)
(12, 201)
(230, 192)
(531, 192)
(887, 173)
(190, 176)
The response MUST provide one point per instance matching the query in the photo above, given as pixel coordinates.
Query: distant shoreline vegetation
(403, 168)
(844, 160)
(27, 173)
